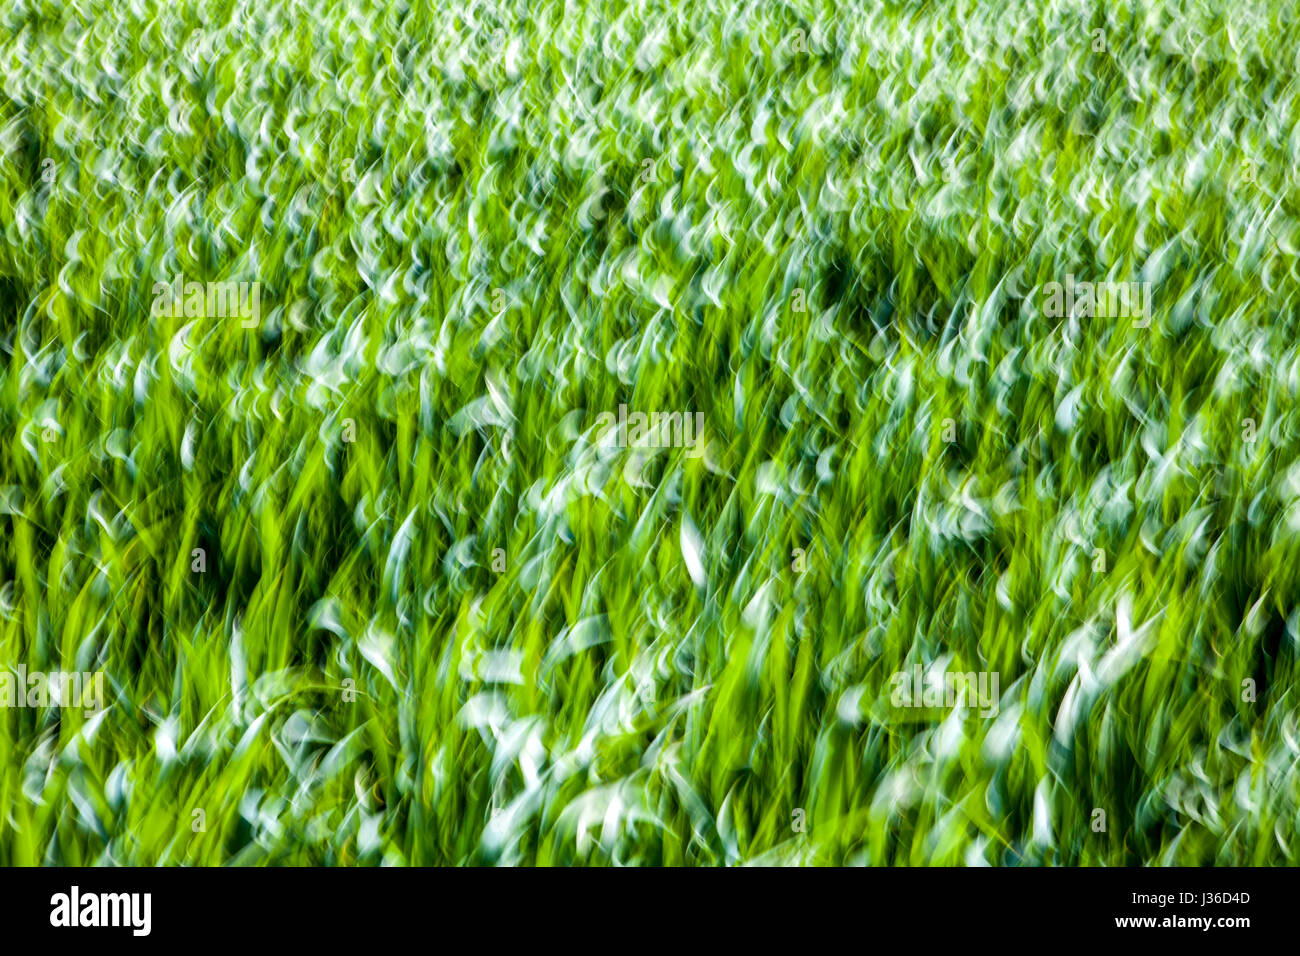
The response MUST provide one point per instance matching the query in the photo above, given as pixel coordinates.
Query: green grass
(834, 254)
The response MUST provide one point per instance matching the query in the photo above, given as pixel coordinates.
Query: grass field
(379, 566)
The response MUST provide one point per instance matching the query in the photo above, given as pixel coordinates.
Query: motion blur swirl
(804, 432)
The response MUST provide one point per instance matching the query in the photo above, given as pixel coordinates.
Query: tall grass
(368, 587)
